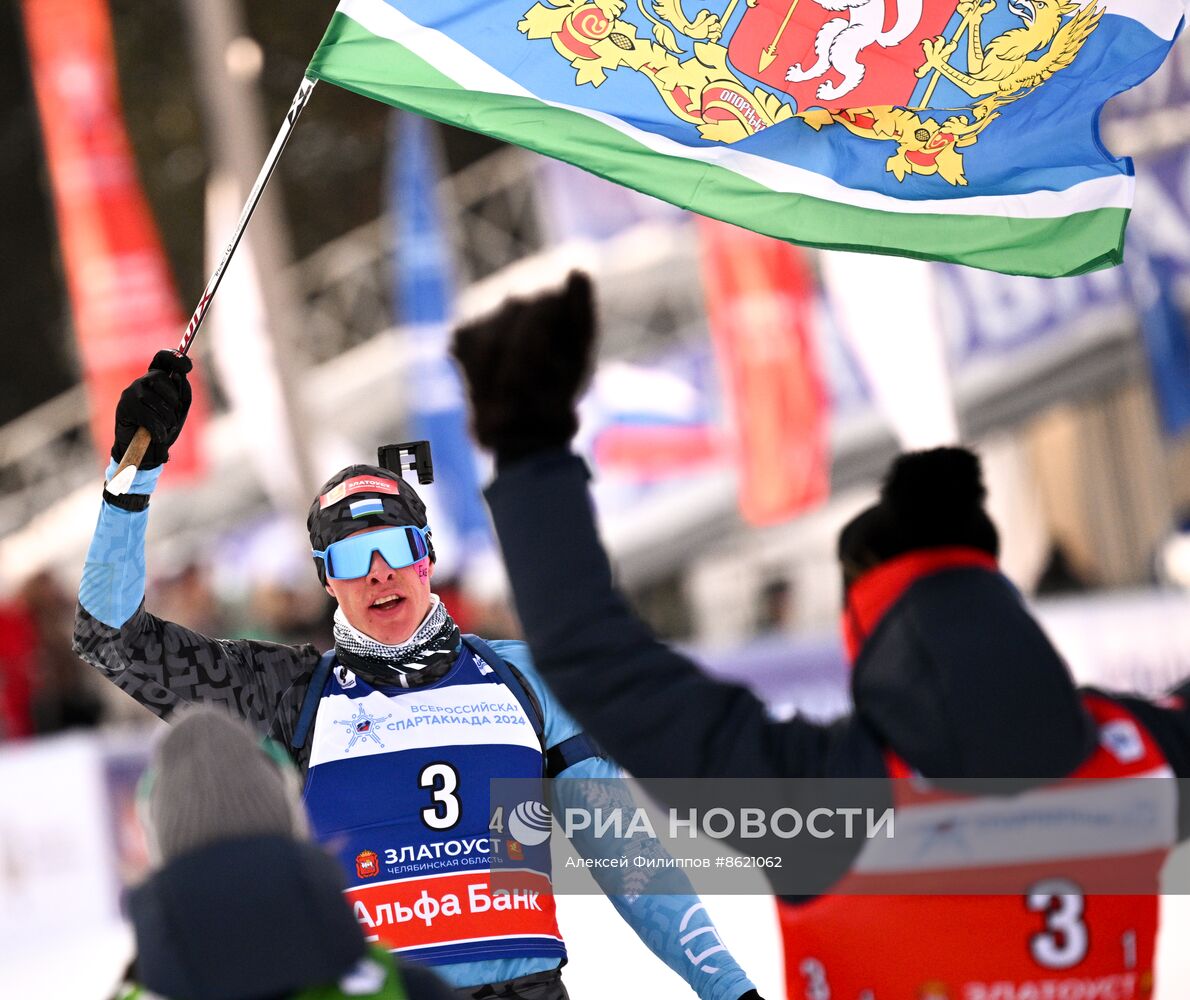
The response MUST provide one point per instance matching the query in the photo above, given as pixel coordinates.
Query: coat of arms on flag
(956, 130)
(848, 70)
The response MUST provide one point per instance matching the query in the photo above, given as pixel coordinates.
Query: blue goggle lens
(351, 558)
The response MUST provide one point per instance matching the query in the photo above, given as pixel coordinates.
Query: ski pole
(122, 478)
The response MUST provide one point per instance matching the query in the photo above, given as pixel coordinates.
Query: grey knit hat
(210, 780)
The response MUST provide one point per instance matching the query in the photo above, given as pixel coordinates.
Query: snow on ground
(606, 959)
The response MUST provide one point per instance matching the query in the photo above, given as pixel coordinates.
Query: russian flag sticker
(362, 508)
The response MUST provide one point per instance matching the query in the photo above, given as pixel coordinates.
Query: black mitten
(525, 367)
(157, 401)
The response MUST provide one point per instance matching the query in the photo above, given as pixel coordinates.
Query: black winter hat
(348, 503)
(930, 499)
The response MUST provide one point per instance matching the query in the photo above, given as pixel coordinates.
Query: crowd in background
(45, 688)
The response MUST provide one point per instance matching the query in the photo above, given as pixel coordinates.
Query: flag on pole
(422, 275)
(954, 131)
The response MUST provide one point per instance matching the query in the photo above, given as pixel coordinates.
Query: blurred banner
(1165, 332)
(996, 323)
(18, 669)
(422, 275)
(649, 423)
(1160, 279)
(760, 302)
(125, 306)
(580, 205)
(58, 876)
(243, 353)
(70, 843)
(990, 314)
(887, 312)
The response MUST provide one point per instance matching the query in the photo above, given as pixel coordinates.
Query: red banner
(651, 453)
(760, 304)
(124, 302)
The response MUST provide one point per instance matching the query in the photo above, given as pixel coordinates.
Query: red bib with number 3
(1082, 855)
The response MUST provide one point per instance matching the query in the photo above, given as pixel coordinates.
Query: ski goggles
(350, 558)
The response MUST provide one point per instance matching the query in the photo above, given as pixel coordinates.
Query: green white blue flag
(939, 129)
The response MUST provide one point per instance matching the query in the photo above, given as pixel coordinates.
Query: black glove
(157, 401)
(751, 995)
(525, 366)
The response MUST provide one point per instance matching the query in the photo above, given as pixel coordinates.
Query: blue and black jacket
(164, 665)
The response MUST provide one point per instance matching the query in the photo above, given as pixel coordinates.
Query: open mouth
(388, 603)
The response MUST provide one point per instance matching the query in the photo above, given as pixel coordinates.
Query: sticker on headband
(362, 508)
(359, 484)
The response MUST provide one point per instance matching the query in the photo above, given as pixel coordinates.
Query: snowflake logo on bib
(363, 726)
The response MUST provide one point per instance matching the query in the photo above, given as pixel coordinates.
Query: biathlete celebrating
(398, 729)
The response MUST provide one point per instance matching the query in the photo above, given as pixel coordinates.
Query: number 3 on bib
(443, 781)
(1064, 941)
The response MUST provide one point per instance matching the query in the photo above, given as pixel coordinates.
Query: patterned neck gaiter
(421, 659)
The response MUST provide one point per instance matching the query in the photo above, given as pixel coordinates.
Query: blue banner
(1166, 337)
(424, 282)
(1158, 267)
(994, 319)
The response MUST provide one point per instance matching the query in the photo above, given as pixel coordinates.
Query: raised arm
(651, 707)
(159, 663)
(654, 710)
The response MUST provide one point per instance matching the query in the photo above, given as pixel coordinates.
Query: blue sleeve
(113, 583)
(668, 916)
(559, 726)
(673, 924)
